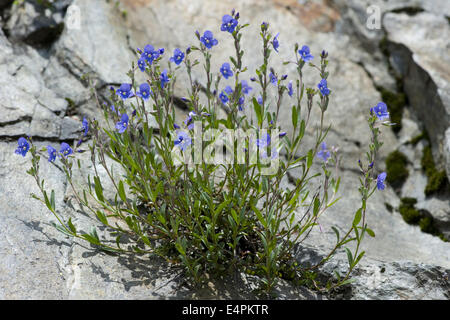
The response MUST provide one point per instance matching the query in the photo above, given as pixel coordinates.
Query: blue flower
(23, 147)
(245, 87)
(176, 126)
(144, 91)
(380, 111)
(274, 154)
(51, 153)
(122, 125)
(188, 122)
(125, 91)
(282, 134)
(148, 53)
(275, 42)
(290, 89)
(208, 39)
(323, 87)
(228, 90)
(273, 79)
(241, 103)
(65, 150)
(260, 100)
(178, 56)
(263, 142)
(380, 181)
(228, 23)
(142, 64)
(85, 125)
(183, 140)
(323, 154)
(223, 97)
(226, 71)
(305, 55)
(164, 78)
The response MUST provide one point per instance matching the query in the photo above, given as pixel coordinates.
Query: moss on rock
(437, 180)
(396, 171)
(408, 212)
(419, 217)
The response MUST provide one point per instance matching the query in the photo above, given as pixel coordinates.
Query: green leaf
(349, 257)
(294, 117)
(259, 216)
(337, 233)
(52, 199)
(71, 226)
(358, 258)
(258, 111)
(309, 158)
(102, 217)
(302, 129)
(91, 239)
(357, 218)
(316, 206)
(370, 232)
(98, 189)
(122, 192)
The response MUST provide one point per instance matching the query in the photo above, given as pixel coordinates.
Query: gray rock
(34, 23)
(439, 208)
(395, 240)
(420, 54)
(35, 101)
(98, 46)
(377, 280)
(414, 186)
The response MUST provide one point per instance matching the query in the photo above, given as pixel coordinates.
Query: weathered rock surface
(45, 96)
(419, 47)
(34, 23)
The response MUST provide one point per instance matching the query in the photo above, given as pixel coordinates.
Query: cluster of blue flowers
(183, 140)
(24, 147)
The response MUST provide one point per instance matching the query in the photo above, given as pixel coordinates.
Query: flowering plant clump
(206, 192)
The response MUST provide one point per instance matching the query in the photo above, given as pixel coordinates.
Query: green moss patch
(408, 212)
(437, 180)
(418, 217)
(396, 171)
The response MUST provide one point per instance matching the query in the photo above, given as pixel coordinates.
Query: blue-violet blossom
(305, 55)
(323, 153)
(380, 181)
(228, 23)
(85, 125)
(164, 78)
(122, 125)
(51, 153)
(380, 111)
(125, 91)
(275, 42)
(183, 140)
(178, 56)
(208, 39)
(144, 91)
(323, 87)
(65, 150)
(226, 71)
(23, 147)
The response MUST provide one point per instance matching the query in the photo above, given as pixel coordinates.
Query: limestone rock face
(44, 93)
(421, 55)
